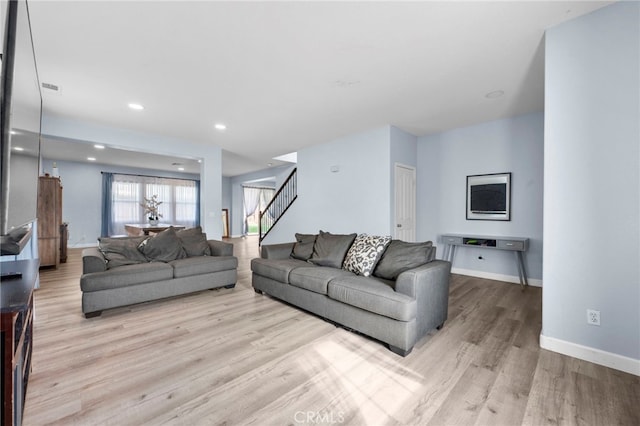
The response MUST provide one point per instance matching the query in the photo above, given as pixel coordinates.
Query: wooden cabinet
(16, 338)
(49, 220)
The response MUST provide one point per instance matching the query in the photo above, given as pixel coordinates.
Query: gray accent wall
(592, 184)
(446, 159)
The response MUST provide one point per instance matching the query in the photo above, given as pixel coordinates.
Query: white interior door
(405, 203)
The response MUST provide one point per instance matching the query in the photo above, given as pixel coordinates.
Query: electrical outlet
(593, 317)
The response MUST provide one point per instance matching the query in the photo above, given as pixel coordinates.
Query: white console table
(517, 245)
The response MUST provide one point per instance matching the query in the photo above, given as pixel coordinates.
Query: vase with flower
(150, 206)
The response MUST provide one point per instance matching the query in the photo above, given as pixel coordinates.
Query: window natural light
(179, 199)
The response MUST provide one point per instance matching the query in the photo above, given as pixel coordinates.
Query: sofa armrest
(93, 261)
(276, 251)
(220, 248)
(429, 285)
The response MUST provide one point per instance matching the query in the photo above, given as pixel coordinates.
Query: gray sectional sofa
(128, 270)
(387, 289)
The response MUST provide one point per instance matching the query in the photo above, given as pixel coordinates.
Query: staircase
(279, 204)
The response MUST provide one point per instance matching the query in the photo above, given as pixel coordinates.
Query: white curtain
(179, 201)
(251, 201)
(265, 198)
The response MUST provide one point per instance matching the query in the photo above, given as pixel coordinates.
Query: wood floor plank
(231, 356)
(507, 400)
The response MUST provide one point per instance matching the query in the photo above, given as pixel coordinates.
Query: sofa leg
(257, 291)
(230, 286)
(440, 326)
(92, 314)
(398, 351)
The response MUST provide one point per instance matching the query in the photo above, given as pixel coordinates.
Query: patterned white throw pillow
(364, 253)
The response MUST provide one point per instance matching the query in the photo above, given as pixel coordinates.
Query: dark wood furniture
(64, 237)
(49, 220)
(16, 337)
(136, 229)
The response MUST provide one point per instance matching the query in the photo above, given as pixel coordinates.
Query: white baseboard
(596, 356)
(83, 245)
(498, 277)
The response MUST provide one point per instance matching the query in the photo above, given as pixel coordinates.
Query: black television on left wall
(20, 125)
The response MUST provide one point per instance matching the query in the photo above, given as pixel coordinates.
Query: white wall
(445, 160)
(353, 199)
(210, 171)
(82, 196)
(592, 187)
(226, 193)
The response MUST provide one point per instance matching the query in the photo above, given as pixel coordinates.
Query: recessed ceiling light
(136, 107)
(18, 148)
(495, 94)
(199, 161)
(91, 158)
(13, 132)
(98, 146)
(181, 169)
(220, 126)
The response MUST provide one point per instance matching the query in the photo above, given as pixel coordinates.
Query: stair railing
(278, 205)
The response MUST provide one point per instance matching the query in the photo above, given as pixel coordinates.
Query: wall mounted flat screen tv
(20, 118)
(489, 197)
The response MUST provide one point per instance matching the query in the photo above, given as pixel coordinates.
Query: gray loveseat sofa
(399, 295)
(128, 270)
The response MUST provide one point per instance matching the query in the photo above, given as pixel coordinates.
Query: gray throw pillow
(194, 242)
(121, 251)
(165, 246)
(303, 248)
(401, 256)
(330, 249)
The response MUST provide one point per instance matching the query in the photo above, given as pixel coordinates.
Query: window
(125, 194)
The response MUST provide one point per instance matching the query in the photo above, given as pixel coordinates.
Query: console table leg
(452, 252)
(521, 271)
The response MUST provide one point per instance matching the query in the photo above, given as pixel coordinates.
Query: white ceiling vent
(51, 87)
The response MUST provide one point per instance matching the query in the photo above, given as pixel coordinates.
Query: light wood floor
(235, 357)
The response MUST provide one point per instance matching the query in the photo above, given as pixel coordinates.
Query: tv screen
(489, 198)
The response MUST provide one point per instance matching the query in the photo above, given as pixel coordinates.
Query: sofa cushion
(276, 269)
(364, 253)
(125, 276)
(303, 248)
(401, 256)
(194, 242)
(330, 249)
(121, 251)
(315, 278)
(165, 246)
(374, 296)
(202, 265)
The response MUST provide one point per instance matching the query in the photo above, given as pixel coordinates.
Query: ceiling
(286, 75)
